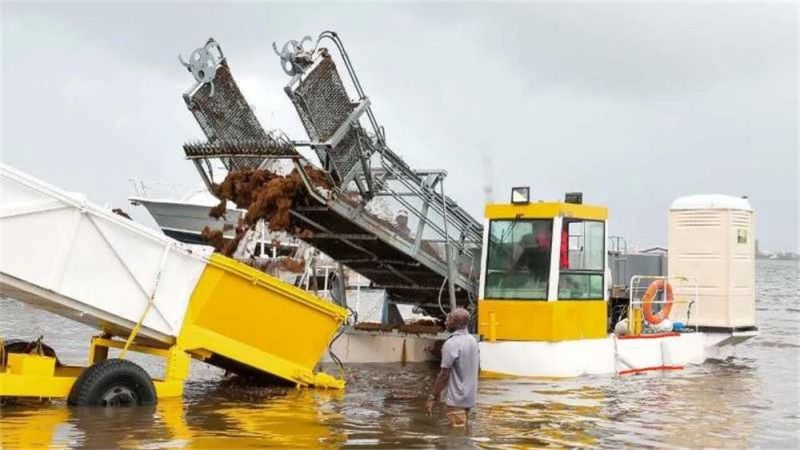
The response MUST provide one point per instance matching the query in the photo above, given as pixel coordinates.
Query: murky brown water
(748, 400)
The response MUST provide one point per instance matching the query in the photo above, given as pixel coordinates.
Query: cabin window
(582, 260)
(518, 260)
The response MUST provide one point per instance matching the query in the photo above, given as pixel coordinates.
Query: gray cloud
(634, 104)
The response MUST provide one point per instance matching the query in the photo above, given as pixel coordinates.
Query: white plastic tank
(711, 238)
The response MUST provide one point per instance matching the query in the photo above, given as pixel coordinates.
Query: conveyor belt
(393, 225)
(384, 256)
(233, 131)
(407, 254)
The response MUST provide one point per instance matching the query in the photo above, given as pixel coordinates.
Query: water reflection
(269, 417)
(276, 417)
(34, 429)
(709, 406)
(701, 407)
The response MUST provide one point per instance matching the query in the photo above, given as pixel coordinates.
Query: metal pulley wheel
(294, 58)
(203, 63)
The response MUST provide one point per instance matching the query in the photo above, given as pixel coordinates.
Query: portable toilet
(711, 240)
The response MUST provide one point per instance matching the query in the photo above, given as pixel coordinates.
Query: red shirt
(543, 241)
(564, 248)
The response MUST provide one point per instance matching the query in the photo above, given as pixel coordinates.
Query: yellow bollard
(492, 326)
(635, 322)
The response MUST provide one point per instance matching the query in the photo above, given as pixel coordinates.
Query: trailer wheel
(113, 382)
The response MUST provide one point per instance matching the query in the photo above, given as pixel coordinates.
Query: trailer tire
(113, 382)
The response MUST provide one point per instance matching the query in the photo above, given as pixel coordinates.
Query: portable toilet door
(711, 240)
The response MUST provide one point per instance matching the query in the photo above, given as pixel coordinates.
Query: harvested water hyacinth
(267, 196)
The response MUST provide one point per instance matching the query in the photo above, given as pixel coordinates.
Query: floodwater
(748, 400)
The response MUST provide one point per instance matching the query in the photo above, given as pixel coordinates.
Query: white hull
(356, 346)
(610, 355)
(185, 220)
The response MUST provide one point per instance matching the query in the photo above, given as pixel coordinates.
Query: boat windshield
(582, 260)
(518, 263)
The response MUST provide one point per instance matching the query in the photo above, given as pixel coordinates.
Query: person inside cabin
(535, 251)
(564, 253)
(401, 224)
(458, 377)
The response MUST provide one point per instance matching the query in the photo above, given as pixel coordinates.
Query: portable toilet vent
(712, 240)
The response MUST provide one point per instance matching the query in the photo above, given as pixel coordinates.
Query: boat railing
(679, 285)
(618, 257)
(161, 189)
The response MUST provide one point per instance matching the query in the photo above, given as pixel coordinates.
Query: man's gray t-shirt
(460, 355)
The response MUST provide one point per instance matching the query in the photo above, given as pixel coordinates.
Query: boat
(184, 218)
(546, 285)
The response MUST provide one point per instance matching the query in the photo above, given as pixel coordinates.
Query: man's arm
(438, 384)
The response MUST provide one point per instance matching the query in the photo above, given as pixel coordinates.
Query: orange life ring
(647, 302)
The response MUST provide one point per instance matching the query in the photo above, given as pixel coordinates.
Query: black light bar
(574, 197)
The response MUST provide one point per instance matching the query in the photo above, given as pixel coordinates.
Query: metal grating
(434, 254)
(324, 106)
(438, 244)
(227, 119)
(271, 147)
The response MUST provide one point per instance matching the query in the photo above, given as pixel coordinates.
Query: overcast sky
(633, 104)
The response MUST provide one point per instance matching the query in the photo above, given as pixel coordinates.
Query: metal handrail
(449, 222)
(635, 287)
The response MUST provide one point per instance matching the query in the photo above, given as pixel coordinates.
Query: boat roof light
(574, 197)
(520, 195)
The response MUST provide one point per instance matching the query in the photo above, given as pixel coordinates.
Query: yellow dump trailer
(145, 293)
(240, 314)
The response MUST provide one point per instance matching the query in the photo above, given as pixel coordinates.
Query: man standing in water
(459, 370)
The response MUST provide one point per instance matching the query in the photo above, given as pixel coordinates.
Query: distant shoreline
(780, 257)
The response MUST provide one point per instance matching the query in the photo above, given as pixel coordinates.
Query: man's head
(457, 319)
(402, 218)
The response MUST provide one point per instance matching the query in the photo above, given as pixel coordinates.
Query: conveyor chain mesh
(410, 263)
(269, 147)
(323, 105)
(228, 121)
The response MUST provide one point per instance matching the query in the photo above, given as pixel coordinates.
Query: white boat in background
(184, 218)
